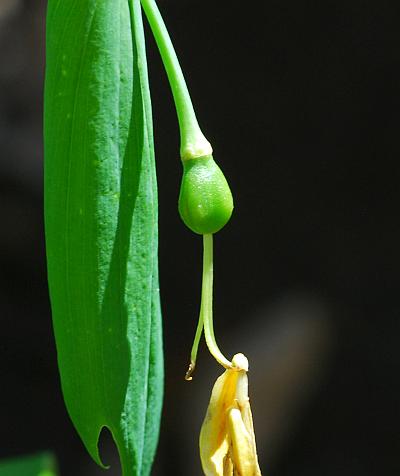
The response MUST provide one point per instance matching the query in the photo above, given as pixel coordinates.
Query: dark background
(301, 102)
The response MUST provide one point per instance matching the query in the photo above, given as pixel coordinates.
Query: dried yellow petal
(227, 440)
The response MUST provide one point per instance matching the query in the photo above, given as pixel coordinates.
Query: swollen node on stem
(205, 199)
(205, 202)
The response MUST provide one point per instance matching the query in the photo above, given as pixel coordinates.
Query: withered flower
(227, 440)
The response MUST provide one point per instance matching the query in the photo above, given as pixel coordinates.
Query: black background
(301, 102)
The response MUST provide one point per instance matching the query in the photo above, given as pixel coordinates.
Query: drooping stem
(195, 346)
(207, 302)
(206, 313)
(193, 142)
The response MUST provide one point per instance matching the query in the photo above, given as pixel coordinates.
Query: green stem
(207, 302)
(193, 142)
(195, 346)
(206, 313)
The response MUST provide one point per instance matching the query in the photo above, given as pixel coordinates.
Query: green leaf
(101, 225)
(36, 465)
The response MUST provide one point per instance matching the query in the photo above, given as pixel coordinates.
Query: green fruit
(205, 199)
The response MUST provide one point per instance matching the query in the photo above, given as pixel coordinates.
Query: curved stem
(193, 142)
(195, 346)
(207, 302)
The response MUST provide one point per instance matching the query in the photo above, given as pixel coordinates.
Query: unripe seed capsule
(205, 199)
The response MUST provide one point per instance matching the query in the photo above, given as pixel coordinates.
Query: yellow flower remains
(227, 440)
